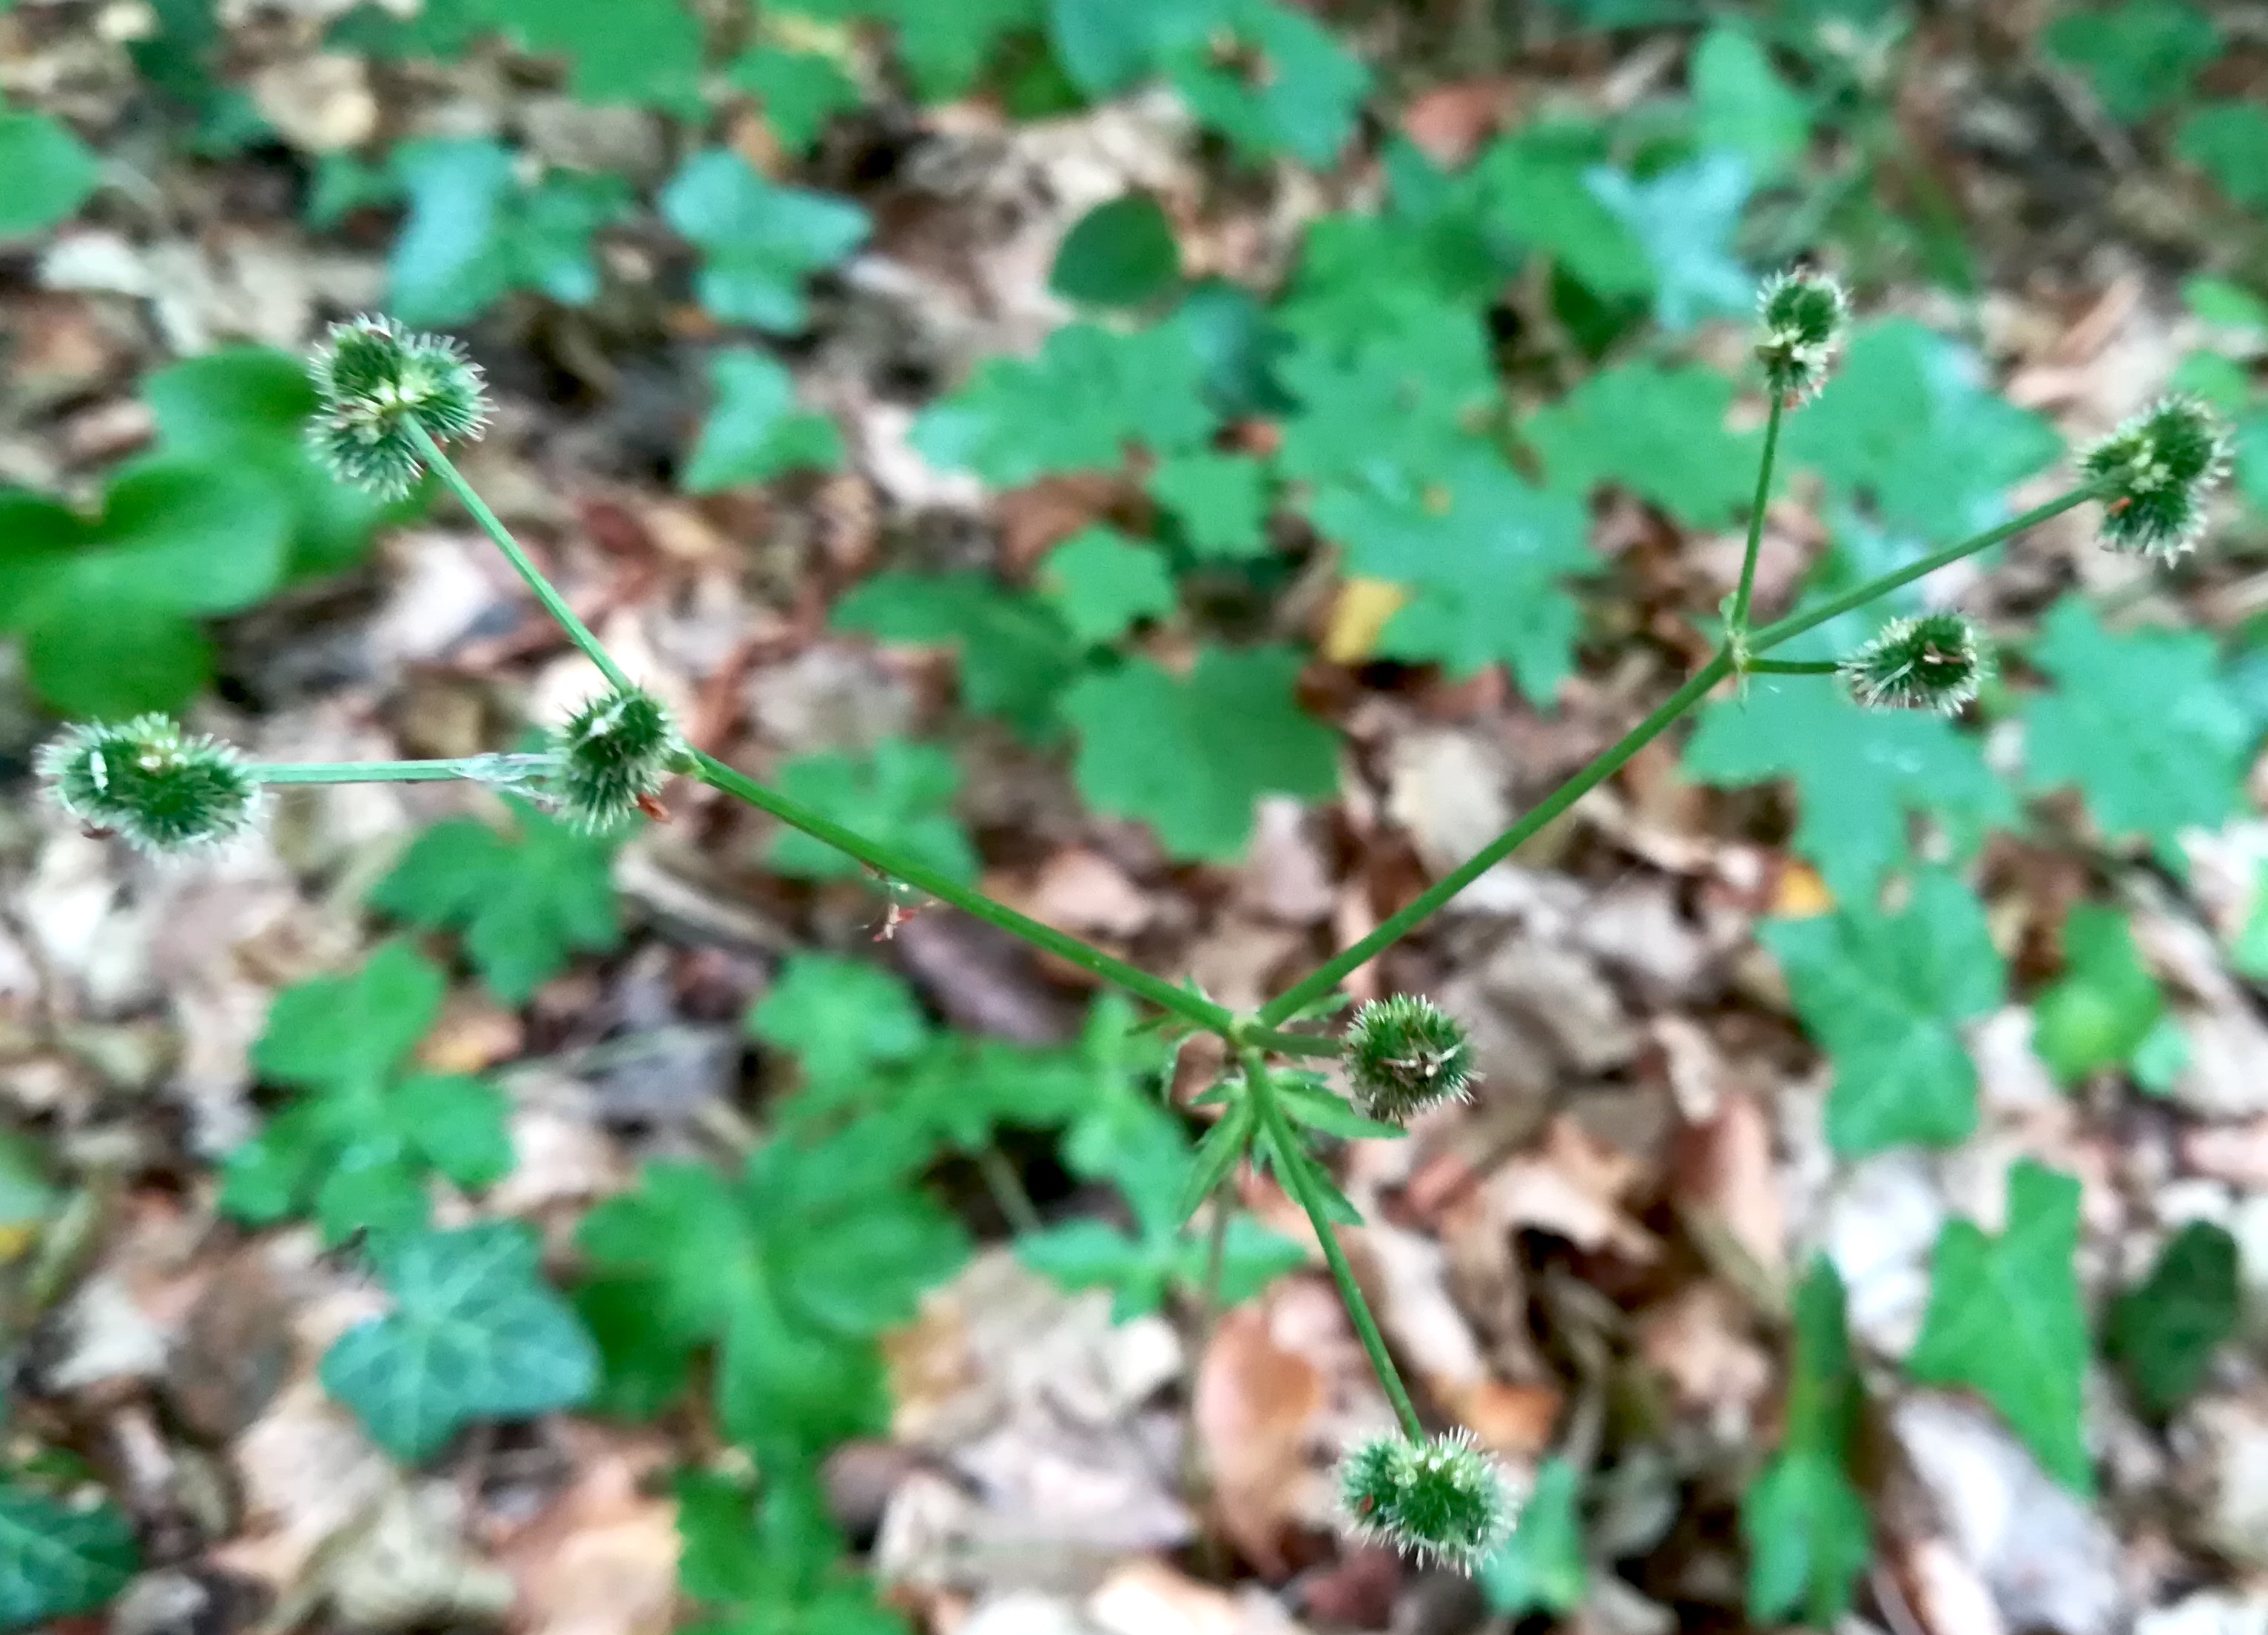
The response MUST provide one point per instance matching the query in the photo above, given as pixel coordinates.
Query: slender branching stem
(1007, 1190)
(1792, 667)
(885, 860)
(1395, 927)
(492, 769)
(1280, 1043)
(1277, 1130)
(439, 463)
(1737, 626)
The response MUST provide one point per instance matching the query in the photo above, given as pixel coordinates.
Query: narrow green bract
(162, 789)
(2155, 471)
(378, 382)
(1405, 1054)
(1442, 1500)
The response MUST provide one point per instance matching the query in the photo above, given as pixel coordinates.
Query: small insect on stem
(2118, 507)
(897, 911)
(650, 804)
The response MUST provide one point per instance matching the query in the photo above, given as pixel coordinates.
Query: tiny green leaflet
(476, 230)
(2163, 1332)
(58, 1559)
(2100, 1013)
(474, 1334)
(1104, 584)
(1886, 994)
(1658, 431)
(756, 430)
(2004, 1317)
(1807, 1527)
(50, 173)
(1542, 1567)
(1219, 502)
(1017, 656)
(759, 241)
(1121, 253)
(844, 1020)
(1684, 218)
(2137, 54)
(525, 903)
(899, 794)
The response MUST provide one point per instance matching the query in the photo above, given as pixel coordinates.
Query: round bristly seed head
(1403, 1054)
(1935, 662)
(1802, 317)
(162, 789)
(1442, 1499)
(614, 755)
(2155, 472)
(375, 378)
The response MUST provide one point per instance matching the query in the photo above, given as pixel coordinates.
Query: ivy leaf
(1744, 106)
(2004, 1318)
(843, 1018)
(1221, 502)
(2228, 140)
(1541, 1568)
(1121, 253)
(758, 242)
(357, 1149)
(1294, 89)
(474, 1334)
(2164, 1332)
(2140, 55)
(1016, 656)
(1684, 218)
(2105, 1005)
(1858, 775)
(756, 431)
(1905, 423)
(2140, 723)
(1089, 395)
(1807, 1527)
(525, 903)
(1104, 584)
(50, 173)
(800, 92)
(1886, 995)
(57, 1560)
(898, 795)
(789, 1273)
(247, 406)
(1191, 755)
(1658, 432)
(477, 231)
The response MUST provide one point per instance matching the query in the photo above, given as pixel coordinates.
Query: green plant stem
(1796, 624)
(546, 593)
(1290, 1044)
(1737, 628)
(479, 769)
(1793, 666)
(1295, 1176)
(1394, 926)
(1007, 1190)
(795, 815)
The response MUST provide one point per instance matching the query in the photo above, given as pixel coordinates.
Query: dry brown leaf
(1698, 1340)
(601, 1557)
(1257, 1410)
(1573, 1187)
(1150, 1598)
(1726, 1186)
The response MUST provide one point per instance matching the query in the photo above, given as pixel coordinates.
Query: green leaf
(1858, 774)
(2105, 1005)
(759, 242)
(51, 174)
(2140, 723)
(1807, 1527)
(2163, 1332)
(1192, 755)
(779, 1561)
(476, 231)
(1294, 89)
(788, 1273)
(248, 407)
(1140, 1271)
(1229, 1140)
(2228, 140)
(1541, 1568)
(651, 55)
(2138, 55)
(1120, 254)
(474, 1334)
(524, 903)
(1221, 502)
(1105, 45)
(946, 48)
(1886, 995)
(1684, 219)
(1392, 407)
(1905, 424)
(355, 1152)
(1536, 193)
(801, 91)
(57, 1560)
(898, 795)
(1089, 395)
(1104, 584)
(756, 431)
(2004, 1318)
(1016, 656)
(1744, 106)
(1658, 432)
(841, 1018)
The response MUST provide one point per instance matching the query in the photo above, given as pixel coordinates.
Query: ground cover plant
(1341, 436)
